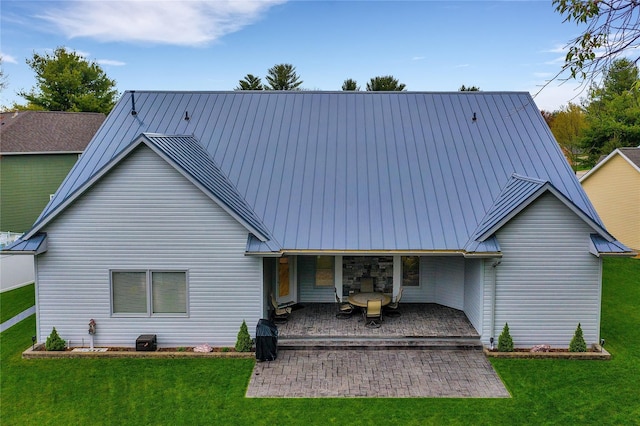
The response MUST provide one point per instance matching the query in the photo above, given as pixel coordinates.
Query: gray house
(188, 209)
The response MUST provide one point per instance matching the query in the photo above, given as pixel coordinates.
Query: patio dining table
(360, 299)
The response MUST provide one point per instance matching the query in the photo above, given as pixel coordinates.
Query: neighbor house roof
(27, 132)
(630, 155)
(351, 171)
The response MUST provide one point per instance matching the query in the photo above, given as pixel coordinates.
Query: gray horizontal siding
(547, 282)
(450, 282)
(309, 293)
(473, 293)
(145, 215)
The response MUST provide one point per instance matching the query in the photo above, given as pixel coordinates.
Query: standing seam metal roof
(352, 170)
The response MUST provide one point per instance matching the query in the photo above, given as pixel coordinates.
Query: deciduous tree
(613, 111)
(65, 81)
(612, 28)
(567, 126)
(463, 88)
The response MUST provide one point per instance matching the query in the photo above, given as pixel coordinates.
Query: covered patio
(418, 320)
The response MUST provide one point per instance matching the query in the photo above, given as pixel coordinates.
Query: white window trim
(149, 294)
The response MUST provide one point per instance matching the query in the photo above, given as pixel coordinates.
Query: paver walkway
(392, 373)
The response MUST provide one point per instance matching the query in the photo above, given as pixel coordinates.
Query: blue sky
(194, 45)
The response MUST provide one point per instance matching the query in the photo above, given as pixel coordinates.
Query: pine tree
(505, 342)
(243, 343)
(55, 342)
(577, 343)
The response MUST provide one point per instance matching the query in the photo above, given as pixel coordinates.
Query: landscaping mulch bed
(129, 352)
(554, 353)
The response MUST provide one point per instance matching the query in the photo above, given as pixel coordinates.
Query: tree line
(66, 81)
(608, 118)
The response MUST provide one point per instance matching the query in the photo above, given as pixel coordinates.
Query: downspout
(36, 289)
(494, 265)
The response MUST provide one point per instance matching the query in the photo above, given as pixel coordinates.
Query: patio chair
(392, 309)
(373, 314)
(366, 285)
(344, 310)
(280, 313)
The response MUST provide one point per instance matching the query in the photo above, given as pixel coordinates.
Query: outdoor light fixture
(33, 342)
(601, 344)
(186, 116)
(491, 340)
(474, 117)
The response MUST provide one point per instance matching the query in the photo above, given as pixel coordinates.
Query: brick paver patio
(392, 373)
(417, 320)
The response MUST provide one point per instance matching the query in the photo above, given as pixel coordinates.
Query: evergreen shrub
(243, 343)
(55, 342)
(577, 343)
(505, 342)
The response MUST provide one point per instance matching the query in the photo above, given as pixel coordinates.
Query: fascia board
(506, 218)
(605, 160)
(204, 190)
(81, 190)
(142, 139)
(547, 187)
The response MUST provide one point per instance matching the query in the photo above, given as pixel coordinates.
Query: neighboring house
(189, 208)
(37, 150)
(613, 186)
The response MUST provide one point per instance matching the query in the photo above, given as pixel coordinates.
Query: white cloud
(462, 66)
(111, 62)
(417, 58)
(8, 59)
(184, 23)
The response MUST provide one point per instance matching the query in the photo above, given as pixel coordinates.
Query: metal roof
(34, 245)
(386, 171)
(602, 246)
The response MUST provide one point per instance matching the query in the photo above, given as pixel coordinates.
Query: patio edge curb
(30, 353)
(603, 355)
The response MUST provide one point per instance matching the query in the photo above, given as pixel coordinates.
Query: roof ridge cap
(528, 178)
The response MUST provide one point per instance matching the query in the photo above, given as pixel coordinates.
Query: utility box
(147, 343)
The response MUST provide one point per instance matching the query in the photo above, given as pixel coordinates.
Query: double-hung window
(145, 293)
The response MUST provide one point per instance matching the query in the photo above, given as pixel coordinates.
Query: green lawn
(13, 302)
(211, 391)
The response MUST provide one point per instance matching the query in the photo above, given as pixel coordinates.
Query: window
(149, 292)
(410, 271)
(325, 271)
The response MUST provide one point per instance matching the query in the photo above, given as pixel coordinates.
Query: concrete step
(336, 343)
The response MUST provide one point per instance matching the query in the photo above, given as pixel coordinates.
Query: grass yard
(13, 302)
(211, 391)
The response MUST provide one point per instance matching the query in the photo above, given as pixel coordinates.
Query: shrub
(505, 342)
(243, 343)
(55, 342)
(577, 343)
